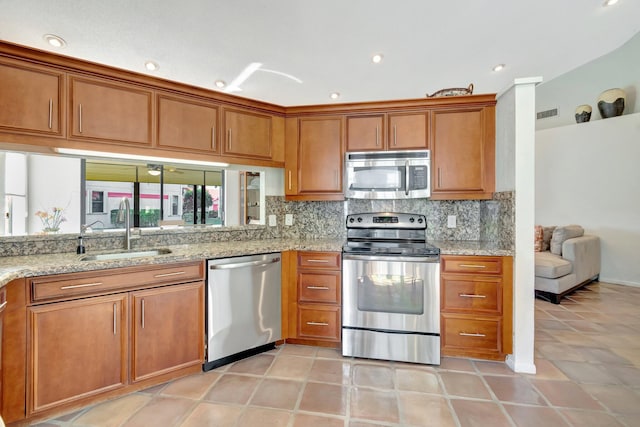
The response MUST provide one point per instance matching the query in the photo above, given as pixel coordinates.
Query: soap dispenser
(80, 249)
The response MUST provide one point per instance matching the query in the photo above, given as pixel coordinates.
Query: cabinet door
(31, 98)
(247, 134)
(109, 111)
(186, 123)
(408, 131)
(365, 133)
(291, 157)
(320, 155)
(463, 153)
(167, 329)
(78, 349)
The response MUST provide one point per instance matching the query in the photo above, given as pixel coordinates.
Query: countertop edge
(18, 267)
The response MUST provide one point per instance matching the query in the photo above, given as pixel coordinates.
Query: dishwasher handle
(259, 263)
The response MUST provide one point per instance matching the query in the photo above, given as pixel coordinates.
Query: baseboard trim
(618, 282)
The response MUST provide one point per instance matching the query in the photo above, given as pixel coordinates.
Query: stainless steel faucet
(85, 227)
(124, 214)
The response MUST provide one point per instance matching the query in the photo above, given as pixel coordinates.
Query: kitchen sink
(125, 255)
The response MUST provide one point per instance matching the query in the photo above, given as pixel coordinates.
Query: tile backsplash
(484, 220)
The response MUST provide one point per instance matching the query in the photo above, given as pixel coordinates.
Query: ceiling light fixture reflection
(610, 3)
(234, 86)
(121, 156)
(377, 58)
(54, 40)
(151, 66)
(154, 170)
(220, 84)
(498, 67)
(335, 95)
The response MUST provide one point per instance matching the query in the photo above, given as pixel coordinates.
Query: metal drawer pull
(318, 323)
(115, 318)
(465, 334)
(289, 179)
(229, 140)
(3, 305)
(50, 113)
(471, 296)
(377, 136)
(321, 261)
(80, 117)
(177, 273)
(84, 285)
(322, 288)
(213, 138)
(142, 313)
(473, 266)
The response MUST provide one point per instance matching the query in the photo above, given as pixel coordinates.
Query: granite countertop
(39, 265)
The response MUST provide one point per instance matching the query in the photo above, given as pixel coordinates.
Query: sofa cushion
(551, 266)
(546, 237)
(537, 240)
(560, 234)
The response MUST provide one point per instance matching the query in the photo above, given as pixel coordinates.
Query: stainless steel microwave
(387, 174)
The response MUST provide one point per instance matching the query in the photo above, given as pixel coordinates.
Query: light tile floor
(587, 358)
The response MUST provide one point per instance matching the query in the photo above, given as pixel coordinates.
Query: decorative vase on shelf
(50, 230)
(583, 113)
(611, 103)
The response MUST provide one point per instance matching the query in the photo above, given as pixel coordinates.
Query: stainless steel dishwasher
(243, 307)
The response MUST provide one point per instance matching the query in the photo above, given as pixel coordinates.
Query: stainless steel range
(390, 289)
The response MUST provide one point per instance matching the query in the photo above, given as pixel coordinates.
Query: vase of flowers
(51, 219)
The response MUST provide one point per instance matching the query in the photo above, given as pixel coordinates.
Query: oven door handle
(399, 258)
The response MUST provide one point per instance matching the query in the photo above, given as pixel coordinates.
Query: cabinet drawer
(471, 264)
(481, 294)
(319, 322)
(319, 259)
(319, 287)
(480, 334)
(105, 281)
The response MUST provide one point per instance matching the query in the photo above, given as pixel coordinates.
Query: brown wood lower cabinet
(78, 349)
(476, 306)
(312, 312)
(84, 339)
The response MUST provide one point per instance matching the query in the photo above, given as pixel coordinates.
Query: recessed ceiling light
(151, 66)
(498, 67)
(54, 40)
(335, 95)
(610, 3)
(377, 58)
(220, 83)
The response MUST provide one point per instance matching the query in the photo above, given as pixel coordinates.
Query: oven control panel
(386, 220)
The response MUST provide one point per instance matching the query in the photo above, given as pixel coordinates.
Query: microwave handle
(406, 178)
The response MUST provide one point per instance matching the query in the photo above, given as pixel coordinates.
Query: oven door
(391, 293)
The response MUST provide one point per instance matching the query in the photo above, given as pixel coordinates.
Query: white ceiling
(427, 45)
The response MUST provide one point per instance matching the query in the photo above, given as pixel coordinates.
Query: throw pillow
(560, 234)
(537, 242)
(546, 237)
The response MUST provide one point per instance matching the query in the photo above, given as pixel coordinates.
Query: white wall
(589, 174)
(58, 185)
(619, 68)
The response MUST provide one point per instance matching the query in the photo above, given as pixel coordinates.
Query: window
(97, 201)
(174, 205)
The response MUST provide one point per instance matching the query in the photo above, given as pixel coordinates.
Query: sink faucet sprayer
(124, 214)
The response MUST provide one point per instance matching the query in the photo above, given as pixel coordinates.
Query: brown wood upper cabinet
(247, 134)
(110, 111)
(187, 123)
(31, 98)
(463, 153)
(392, 131)
(313, 158)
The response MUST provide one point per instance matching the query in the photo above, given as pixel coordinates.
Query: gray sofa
(572, 261)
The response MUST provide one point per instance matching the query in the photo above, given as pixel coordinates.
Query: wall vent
(545, 114)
